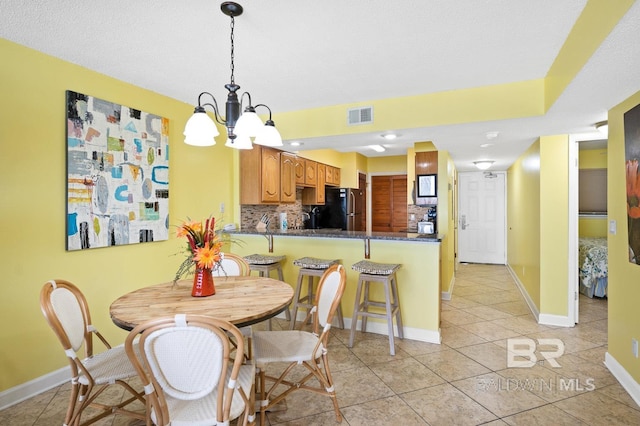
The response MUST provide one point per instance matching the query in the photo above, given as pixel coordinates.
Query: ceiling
(300, 54)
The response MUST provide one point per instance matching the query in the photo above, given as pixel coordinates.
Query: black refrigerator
(343, 209)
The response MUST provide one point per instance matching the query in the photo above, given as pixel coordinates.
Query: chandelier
(200, 129)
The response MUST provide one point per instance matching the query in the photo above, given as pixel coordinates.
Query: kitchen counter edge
(337, 233)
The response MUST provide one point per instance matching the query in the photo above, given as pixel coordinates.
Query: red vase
(203, 283)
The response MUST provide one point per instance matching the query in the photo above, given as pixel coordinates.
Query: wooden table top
(239, 300)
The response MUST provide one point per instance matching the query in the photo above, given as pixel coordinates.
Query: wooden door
(389, 203)
(287, 178)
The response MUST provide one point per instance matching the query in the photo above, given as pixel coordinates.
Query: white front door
(481, 217)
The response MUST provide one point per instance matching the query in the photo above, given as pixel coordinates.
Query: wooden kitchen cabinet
(287, 177)
(310, 173)
(260, 175)
(313, 196)
(299, 170)
(332, 176)
(426, 163)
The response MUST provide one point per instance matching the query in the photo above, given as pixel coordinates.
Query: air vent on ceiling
(363, 115)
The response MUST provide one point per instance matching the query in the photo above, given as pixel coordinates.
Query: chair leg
(356, 311)
(296, 300)
(389, 314)
(396, 299)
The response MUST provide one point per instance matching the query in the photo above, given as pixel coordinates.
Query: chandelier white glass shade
(483, 164)
(201, 130)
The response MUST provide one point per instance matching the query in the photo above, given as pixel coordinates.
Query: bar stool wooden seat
(264, 264)
(310, 267)
(385, 273)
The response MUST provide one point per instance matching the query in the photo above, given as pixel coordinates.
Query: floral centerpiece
(203, 253)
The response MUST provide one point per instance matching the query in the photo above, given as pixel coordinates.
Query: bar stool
(264, 264)
(310, 267)
(384, 273)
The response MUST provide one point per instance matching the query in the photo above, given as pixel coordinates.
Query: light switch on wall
(613, 227)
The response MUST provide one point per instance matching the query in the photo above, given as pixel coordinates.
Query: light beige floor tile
(489, 355)
(456, 337)
(523, 324)
(452, 365)
(373, 351)
(446, 405)
(583, 372)
(405, 375)
(495, 297)
(461, 302)
(513, 308)
(415, 347)
(487, 313)
(391, 410)
(545, 383)
(617, 392)
(318, 419)
(545, 415)
(493, 392)
(358, 386)
(459, 317)
(489, 331)
(598, 408)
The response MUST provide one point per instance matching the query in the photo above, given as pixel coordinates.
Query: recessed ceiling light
(492, 135)
(296, 143)
(377, 148)
(486, 145)
(389, 136)
(603, 127)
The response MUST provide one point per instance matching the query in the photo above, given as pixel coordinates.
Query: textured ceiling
(300, 54)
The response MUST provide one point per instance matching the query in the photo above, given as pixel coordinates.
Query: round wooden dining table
(240, 300)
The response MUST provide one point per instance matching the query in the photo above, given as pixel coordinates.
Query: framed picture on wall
(427, 185)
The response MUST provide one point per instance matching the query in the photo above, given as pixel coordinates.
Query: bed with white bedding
(592, 266)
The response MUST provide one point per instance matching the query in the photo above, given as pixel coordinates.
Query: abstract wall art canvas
(632, 157)
(117, 174)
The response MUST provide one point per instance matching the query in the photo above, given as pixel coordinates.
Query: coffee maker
(432, 216)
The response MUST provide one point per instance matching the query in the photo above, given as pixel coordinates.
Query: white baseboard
(33, 387)
(628, 383)
(376, 327)
(532, 306)
(446, 295)
(557, 320)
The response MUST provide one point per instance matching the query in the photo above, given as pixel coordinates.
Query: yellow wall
(523, 220)
(554, 211)
(446, 220)
(418, 283)
(624, 277)
(592, 159)
(390, 164)
(32, 169)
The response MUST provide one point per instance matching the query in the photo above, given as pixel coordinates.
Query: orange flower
(633, 189)
(206, 257)
(184, 229)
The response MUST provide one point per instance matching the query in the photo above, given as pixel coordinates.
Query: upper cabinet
(426, 163)
(310, 173)
(270, 176)
(260, 175)
(287, 177)
(332, 176)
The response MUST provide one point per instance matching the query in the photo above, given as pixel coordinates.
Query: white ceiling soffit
(301, 54)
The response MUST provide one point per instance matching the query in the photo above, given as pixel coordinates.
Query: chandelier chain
(232, 51)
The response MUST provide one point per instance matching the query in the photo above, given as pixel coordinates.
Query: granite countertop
(339, 233)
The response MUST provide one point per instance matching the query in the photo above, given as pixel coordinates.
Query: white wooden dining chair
(67, 312)
(301, 348)
(189, 373)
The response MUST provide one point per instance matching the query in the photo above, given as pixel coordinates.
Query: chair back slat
(330, 291)
(186, 361)
(69, 314)
(231, 265)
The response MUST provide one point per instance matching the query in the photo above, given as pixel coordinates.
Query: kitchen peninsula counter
(339, 233)
(418, 278)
